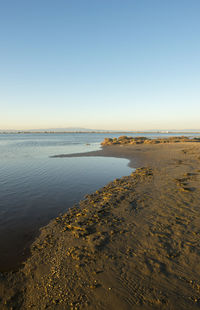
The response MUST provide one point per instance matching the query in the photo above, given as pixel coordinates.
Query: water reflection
(33, 192)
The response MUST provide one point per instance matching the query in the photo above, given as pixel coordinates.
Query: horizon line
(15, 131)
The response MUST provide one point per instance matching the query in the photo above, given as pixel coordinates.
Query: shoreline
(131, 245)
(138, 155)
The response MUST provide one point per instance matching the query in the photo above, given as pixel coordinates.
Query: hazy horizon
(79, 129)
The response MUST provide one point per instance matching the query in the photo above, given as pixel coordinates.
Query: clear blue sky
(104, 64)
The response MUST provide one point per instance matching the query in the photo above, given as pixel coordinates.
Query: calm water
(34, 188)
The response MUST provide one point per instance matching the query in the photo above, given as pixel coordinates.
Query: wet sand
(134, 244)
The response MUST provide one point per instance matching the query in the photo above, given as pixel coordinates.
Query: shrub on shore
(144, 140)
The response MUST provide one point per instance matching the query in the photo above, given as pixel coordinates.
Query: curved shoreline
(134, 244)
(138, 155)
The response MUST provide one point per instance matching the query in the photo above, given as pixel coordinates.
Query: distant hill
(67, 129)
(80, 129)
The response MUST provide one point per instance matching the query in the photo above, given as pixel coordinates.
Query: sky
(101, 64)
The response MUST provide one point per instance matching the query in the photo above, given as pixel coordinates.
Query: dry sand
(134, 244)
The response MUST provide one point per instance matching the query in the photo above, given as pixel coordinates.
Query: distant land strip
(98, 131)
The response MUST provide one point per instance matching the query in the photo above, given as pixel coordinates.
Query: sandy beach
(133, 244)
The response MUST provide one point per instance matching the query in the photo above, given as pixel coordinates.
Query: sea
(35, 188)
